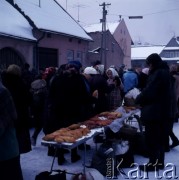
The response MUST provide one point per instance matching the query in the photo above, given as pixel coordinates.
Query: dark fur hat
(154, 59)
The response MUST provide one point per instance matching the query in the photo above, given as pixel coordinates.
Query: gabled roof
(173, 44)
(142, 52)
(13, 24)
(111, 26)
(48, 15)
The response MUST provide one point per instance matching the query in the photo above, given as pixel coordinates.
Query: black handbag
(46, 175)
(127, 132)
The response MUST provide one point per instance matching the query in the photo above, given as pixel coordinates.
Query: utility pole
(39, 3)
(103, 54)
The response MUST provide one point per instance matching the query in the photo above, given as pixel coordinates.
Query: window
(70, 55)
(176, 54)
(167, 54)
(172, 54)
(70, 39)
(49, 35)
(79, 56)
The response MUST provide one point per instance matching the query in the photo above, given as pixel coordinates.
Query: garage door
(47, 57)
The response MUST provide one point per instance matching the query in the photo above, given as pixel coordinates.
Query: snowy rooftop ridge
(13, 24)
(49, 15)
(97, 27)
(141, 52)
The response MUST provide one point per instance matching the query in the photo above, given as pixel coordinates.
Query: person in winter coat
(130, 80)
(9, 150)
(68, 101)
(39, 96)
(174, 114)
(155, 102)
(115, 96)
(174, 69)
(98, 82)
(13, 81)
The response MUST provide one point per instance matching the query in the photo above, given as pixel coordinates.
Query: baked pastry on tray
(111, 115)
(66, 135)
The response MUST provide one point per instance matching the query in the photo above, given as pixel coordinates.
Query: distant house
(140, 53)
(54, 36)
(170, 53)
(114, 53)
(118, 43)
(122, 36)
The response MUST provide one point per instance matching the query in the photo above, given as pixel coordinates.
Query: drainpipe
(36, 59)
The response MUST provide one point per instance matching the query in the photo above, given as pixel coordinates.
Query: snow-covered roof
(111, 26)
(171, 48)
(48, 15)
(142, 52)
(170, 59)
(13, 23)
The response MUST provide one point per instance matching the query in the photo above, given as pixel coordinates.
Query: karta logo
(169, 171)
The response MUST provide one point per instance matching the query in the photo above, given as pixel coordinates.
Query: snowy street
(37, 161)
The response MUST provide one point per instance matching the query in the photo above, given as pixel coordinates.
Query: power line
(147, 14)
(160, 12)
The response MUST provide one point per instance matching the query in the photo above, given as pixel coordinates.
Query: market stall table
(93, 133)
(115, 126)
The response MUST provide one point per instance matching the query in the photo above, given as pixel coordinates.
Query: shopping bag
(127, 132)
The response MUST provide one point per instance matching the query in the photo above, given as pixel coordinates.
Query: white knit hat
(90, 70)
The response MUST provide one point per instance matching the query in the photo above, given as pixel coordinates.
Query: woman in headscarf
(115, 96)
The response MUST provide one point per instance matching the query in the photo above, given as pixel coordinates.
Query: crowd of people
(58, 97)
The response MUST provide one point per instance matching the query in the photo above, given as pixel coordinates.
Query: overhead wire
(147, 14)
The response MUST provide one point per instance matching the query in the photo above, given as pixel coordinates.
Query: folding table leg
(84, 159)
(51, 169)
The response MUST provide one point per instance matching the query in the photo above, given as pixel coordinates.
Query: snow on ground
(36, 161)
